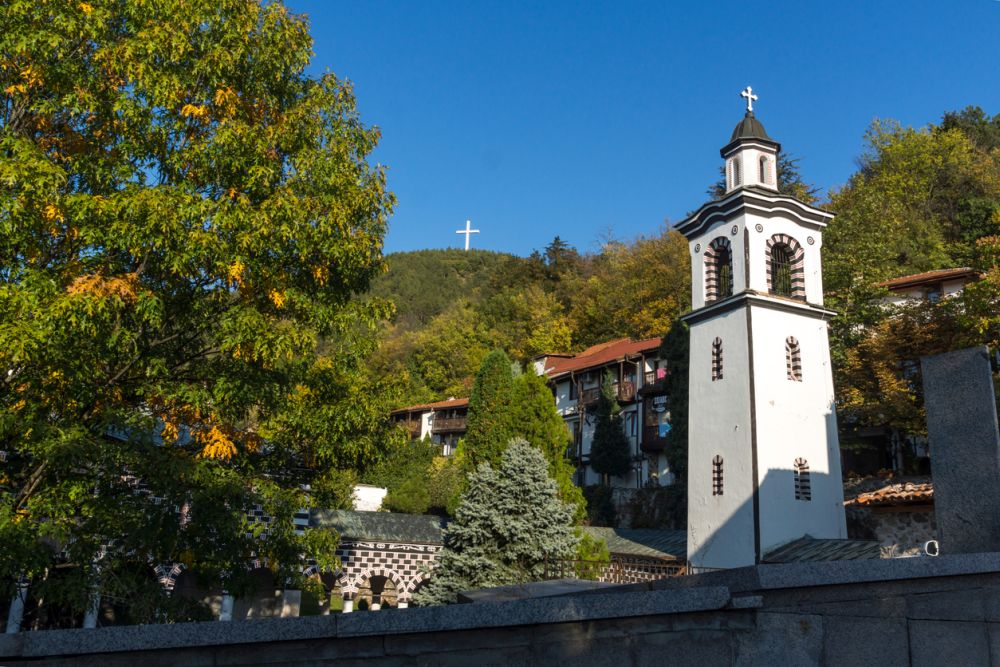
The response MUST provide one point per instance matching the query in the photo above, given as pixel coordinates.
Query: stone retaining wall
(908, 611)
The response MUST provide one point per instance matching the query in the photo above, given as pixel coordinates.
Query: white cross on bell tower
(750, 98)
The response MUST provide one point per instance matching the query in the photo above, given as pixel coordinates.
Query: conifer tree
(509, 523)
(609, 452)
(674, 350)
(535, 419)
(489, 421)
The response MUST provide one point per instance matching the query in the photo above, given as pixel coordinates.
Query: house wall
(632, 422)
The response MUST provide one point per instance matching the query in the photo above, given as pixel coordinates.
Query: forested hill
(453, 306)
(425, 283)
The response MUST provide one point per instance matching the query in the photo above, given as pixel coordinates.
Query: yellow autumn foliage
(123, 287)
(321, 274)
(235, 272)
(194, 111)
(277, 298)
(216, 445)
(170, 432)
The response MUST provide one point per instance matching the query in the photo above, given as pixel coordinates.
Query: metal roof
(808, 549)
(381, 526)
(749, 128)
(643, 543)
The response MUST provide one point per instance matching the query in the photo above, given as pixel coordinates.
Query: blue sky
(577, 119)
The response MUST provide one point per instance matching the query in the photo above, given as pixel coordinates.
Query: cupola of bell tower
(751, 155)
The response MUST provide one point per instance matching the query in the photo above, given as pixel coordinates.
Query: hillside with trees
(452, 306)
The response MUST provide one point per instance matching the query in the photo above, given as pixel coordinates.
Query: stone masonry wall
(913, 611)
(902, 532)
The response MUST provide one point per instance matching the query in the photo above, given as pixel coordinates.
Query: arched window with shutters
(764, 171)
(793, 359)
(734, 173)
(803, 489)
(716, 359)
(717, 476)
(718, 269)
(785, 260)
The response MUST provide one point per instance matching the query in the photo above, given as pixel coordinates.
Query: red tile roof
(440, 405)
(907, 493)
(929, 278)
(600, 355)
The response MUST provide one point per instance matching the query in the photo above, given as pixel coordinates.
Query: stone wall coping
(621, 604)
(832, 573)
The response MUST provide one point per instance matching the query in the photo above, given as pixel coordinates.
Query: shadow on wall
(789, 504)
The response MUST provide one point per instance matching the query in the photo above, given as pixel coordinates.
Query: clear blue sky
(538, 119)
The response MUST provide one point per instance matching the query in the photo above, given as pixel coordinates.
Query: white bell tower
(763, 454)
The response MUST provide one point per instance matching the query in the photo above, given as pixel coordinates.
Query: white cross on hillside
(468, 231)
(751, 98)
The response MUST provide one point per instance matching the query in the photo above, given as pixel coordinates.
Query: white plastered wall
(720, 528)
(813, 266)
(795, 420)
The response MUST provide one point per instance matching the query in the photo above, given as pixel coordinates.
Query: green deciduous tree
(636, 290)
(188, 219)
(609, 450)
(489, 425)
(527, 321)
(922, 199)
(510, 522)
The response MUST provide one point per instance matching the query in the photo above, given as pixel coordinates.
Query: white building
(443, 422)
(764, 461)
(930, 285)
(638, 376)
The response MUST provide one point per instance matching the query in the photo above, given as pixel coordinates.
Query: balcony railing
(652, 384)
(448, 424)
(412, 426)
(588, 396)
(625, 393)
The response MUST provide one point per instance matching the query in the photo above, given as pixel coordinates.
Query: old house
(638, 377)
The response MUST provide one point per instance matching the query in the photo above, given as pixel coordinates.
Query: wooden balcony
(448, 424)
(589, 396)
(651, 440)
(624, 391)
(652, 385)
(412, 427)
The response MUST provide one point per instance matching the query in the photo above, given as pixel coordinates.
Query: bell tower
(763, 457)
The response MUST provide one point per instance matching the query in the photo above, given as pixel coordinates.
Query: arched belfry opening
(718, 269)
(785, 267)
